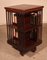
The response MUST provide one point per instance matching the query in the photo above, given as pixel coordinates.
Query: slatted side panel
(36, 22)
(9, 19)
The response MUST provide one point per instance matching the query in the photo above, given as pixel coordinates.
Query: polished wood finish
(28, 26)
(23, 8)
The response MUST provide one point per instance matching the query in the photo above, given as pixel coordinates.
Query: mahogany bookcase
(24, 27)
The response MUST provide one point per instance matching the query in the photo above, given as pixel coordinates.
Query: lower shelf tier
(25, 44)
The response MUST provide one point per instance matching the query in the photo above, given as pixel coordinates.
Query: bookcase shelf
(24, 27)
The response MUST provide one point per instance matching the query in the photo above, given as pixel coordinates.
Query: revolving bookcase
(24, 27)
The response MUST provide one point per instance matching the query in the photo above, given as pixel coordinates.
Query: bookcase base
(24, 50)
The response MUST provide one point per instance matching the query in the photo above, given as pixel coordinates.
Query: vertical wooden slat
(10, 16)
(7, 23)
(7, 14)
(39, 36)
(12, 23)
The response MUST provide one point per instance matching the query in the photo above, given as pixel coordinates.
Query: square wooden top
(23, 8)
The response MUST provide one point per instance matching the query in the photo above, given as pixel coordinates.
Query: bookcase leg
(33, 49)
(9, 42)
(22, 53)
